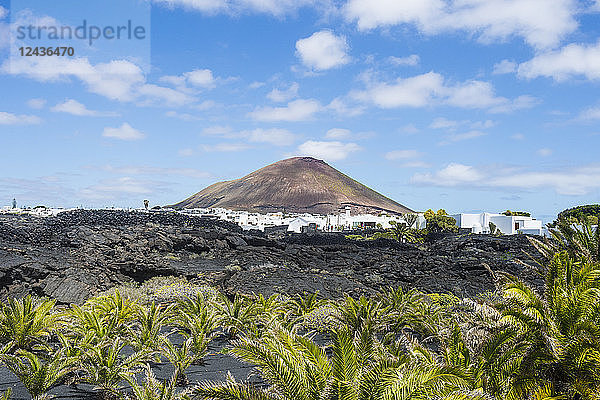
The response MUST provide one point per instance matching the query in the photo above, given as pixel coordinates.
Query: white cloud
(444, 123)
(417, 91)
(273, 136)
(577, 181)
(330, 151)
(14, 119)
(3, 12)
(474, 94)
(574, 181)
(323, 50)
(153, 171)
(590, 114)
(409, 129)
(119, 80)
(37, 104)
(276, 137)
(541, 23)
(201, 77)
(459, 137)
(402, 154)
(4, 35)
(186, 152)
(284, 95)
(171, 97)
(411, 60)
(545, 152)
(570, 61)
(505, 67)
(276, 8)
(124, 132)
(109, 189)
(225, 147)
(342, 108)
(518, 136)
(205, 105)
(218, 130)
(452, 125)
(431, 89)
(520, 103)
(346, 134)
(338, 133)
(297, 110)
(454, 174)
(182, 116)
(256, 85)
(74, 107)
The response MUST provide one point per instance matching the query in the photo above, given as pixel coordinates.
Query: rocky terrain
(77, 254)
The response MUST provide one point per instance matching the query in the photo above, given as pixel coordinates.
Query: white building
(508, 225)
(301, 222)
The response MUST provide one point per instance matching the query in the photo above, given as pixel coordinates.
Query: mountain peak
(297, 184)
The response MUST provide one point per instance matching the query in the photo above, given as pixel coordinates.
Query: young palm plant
(363, 314)
(154, 389)
(148, 326)
(6, 395)
(180, 357)
(199, 328)
(556, 338)
(87, 323)
(26, 322)
(115, 305)
(296, 368)
(38, 375)
(104, 365)
(238, 315)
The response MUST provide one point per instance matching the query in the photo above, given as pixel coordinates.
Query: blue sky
(467, 105)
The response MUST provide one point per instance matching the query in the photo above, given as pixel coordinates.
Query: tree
(580, 213)
(509, 213)
(494, 229)
(581, 241)
(402, 232)
(440, 222)
(554, 340)
(410, 219)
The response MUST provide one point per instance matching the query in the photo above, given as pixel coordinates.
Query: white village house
(508, 225)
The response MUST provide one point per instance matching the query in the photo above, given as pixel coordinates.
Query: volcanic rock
(79, 254)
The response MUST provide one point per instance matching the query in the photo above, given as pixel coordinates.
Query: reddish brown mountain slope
(299, 184)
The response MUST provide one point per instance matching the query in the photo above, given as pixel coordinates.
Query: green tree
(440, 222)
(554, 339)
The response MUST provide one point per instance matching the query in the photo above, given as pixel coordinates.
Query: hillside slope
(299, 184)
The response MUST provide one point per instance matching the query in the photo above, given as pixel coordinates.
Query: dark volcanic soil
(78, 254)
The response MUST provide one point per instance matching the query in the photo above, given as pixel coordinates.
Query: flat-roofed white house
(507, 224)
